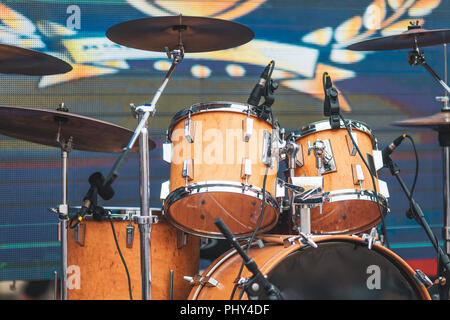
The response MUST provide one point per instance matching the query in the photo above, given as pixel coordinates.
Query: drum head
(343, 270)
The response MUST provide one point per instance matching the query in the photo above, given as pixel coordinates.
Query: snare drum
(221, 152)
(350, 205)
(96, 272)
(340, 268)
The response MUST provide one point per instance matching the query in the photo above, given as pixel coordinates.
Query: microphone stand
(418, 215)
(257, 287)
(145, 220)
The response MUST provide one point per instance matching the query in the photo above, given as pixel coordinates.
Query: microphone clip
(331, 103)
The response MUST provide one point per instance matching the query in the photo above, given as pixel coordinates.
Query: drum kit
(305, 232)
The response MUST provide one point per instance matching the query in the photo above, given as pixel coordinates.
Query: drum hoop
(210, 107)
(354, 194)
(217, 186)
(133, 211)
(395, 259)
(323, 125)
(272, 261)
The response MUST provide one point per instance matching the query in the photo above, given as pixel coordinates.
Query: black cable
(121, 257)
(416, 171)
(383, 225)
(263, 201)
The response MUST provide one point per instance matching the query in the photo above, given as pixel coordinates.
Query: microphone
(263, 290)
(104, 190)
(387, 151)
(331, 106)
(326, 80)
(258, 90)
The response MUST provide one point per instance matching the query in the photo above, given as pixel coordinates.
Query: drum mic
(258, 90)
(387, 151)
(257, 287)
(104, 190)
(331, 104)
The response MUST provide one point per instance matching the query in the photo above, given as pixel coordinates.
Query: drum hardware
(302, 238)
(414, 38)
(342, 270)
(257, 287)
(189, 129)
(331, 106)
(171, 285)
(422, 278)
(324, 156)
(203, 281)
(370, 238)
(130, 232)
(418, 215)
(183, 34)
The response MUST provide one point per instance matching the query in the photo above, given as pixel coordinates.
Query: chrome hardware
(167, 152)
(199, 280)
(358, 174)
(188, 170)
(181, 239)
(80, 234)
(371, 238)
(324, 156)
(130, 233)
(165, 190)
(189, 129)
(171, 285)
(351, 146)
(247, 128)
(246, 169)
(422, 278)
(267, 149)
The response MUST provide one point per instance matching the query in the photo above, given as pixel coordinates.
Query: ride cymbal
(439, 122)
(15, 60)
(47, 126)
(410, 39)
(196, 34)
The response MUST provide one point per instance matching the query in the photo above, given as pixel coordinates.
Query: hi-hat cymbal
(15, 60)
(439, 122)
(197, 34)
(44, 126)
(405, 40)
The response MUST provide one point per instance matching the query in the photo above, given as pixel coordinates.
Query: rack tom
(221, 152)
(350, 200)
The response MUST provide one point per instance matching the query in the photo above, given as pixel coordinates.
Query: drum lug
(301, 238)
(422, 279)
(247, 128)
(203, 281)
(352, 147)
(266, 149)
(79, 234)
(189, 129)
(370, 239)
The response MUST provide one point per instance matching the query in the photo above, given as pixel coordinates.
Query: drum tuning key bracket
(324, 156)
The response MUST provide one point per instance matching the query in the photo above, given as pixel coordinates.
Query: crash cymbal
(439, 122)
(15, 60)
(197, 34)
(42, 127)
(405, 40)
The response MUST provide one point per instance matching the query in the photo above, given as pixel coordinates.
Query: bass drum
(340, 268)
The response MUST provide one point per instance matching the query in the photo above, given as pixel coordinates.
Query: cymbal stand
(63, 209)
(144, 112)
(415, 57)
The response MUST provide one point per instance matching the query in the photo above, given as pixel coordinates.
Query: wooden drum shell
(217, 183)
(351, 208)
(96, 271)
